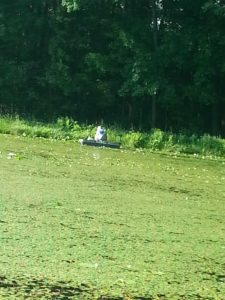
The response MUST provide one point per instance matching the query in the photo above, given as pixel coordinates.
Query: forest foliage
(136, 63)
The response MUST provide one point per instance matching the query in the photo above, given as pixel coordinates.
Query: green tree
(141, 63)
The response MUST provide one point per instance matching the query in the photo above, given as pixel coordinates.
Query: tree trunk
(214, 119)
(155, 44)
(153, 117)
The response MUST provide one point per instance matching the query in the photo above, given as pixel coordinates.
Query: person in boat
(100, 134)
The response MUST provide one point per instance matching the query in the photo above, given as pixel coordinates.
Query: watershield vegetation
(154, 140)
(87, 223)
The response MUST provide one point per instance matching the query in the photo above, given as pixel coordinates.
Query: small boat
(99, 143)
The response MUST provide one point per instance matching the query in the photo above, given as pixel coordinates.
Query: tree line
(135, 63)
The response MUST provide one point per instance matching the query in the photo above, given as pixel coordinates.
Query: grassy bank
(78, 222)
(155, 140)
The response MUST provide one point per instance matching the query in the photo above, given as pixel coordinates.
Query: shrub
(133, 140)
(212, 145)
(5, 125)
(155, 140)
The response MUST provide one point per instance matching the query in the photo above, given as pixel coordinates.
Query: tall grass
(155, 140)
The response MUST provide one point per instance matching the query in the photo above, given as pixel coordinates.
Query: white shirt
(99, 133)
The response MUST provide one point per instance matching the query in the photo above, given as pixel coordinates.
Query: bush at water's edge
(155, 140)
